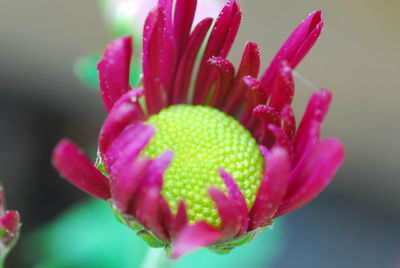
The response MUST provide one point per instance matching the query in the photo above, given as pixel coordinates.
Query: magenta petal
(249, 65)
(313, 117)
(181, 219)
(167, 217)
(153, 53)
(183, 20)
(127, 146)
(124, 182)
(272, 189)
(226, 72)
(281, 139)
(194, 236)
(266, 116)
(127, 110)
(219, 44)
(282, 89)
(230, 220)
(296, 46)
(114, 70)
(237, 199)
(146, 203)
(73, 165)
(255, 96)
(288, 121)
(10, 221)
(186, 64)
(313, 174)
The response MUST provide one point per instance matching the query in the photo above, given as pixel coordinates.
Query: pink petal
(167, 217)
(168, 62)
(288, 121)
(114, 70)
(73, 165)
(272, 189)
(282, 89)
(127, 146)
(250, 66)
(219, 44)
(267, 116)
(153, 53)
(185, 68)
(124, 182)
(308, 130)
(237, 199)
(146, 203)
(313, 174)
(194, 236)
(181, 219)
(127, 110)
(183, 20)
(255, 96)
(10, 221)
(226, 72)
(230, 219)
(281, 139)
(296, 46)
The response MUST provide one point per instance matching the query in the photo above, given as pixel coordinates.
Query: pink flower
(183, 172)
(9, 227)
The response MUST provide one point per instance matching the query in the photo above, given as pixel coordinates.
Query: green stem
(156, 258)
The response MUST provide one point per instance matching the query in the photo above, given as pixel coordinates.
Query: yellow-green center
(203, 140)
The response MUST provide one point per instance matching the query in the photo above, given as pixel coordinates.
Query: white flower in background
(128, 16)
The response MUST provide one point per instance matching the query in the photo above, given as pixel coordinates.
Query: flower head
(204, 159)
(9, 227)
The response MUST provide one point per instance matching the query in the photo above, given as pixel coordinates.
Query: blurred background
(354, 223)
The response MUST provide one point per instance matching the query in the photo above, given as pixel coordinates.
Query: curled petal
(194, 236)
(281, 139)
(183, 20)
(308, 130)
(153, 53)
(73, 165)
(125, 181)
(272, 189)
(127, 146)
(249, 66)
(255, 96)
(237, 199)
(186, 64)
(146, 202)
(127, 110)
(296, 46)
(225, 77)
(288, 121)
(282, 89)
(313, 174)
(230, 219)
(266, 116)
(114, 70)
(219, 44)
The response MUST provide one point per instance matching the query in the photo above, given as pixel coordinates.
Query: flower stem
(156, 258)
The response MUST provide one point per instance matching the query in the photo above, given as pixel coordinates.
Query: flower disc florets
(203, 140)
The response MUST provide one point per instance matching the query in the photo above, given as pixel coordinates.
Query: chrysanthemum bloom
(9, 228)
(205, 159)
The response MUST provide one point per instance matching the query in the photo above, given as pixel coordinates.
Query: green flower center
(203, 140)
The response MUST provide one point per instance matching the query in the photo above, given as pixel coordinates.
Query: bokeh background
(354, 223)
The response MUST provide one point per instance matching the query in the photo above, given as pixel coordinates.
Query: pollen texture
(203, 140)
